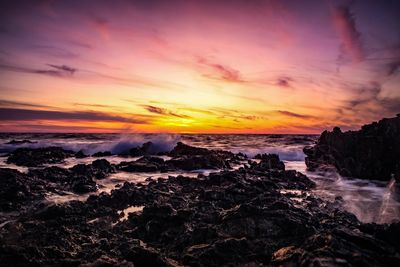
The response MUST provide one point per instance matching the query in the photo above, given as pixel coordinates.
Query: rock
(262, 215)
(80, 155)
(195, 162)
(134, 166)
(82, 184)
(19, 142)
(79, 178)
(51, 174)
(182, 149)
(31, 157)
(16, 189)
(98, 169)
(102, 154)
(146, 149)
(370, 153)
(144, 164)
(185, 150)
(269, 161)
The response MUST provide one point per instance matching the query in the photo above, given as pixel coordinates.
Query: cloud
(221, 71)
(102, 27)
(93, 105)
(393, 67)
(56, 128)
(284, 81)
(294, 115)
(13, 114)
(367, 103)
(236, 115)
(350, 37)
(10, 103)
(64, 71)
(58, 70)
(163, 111)
(64, 68)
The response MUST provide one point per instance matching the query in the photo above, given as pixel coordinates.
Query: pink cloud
(350, 37)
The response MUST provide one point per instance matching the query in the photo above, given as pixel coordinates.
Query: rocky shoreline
(259, 214)
(373, 152)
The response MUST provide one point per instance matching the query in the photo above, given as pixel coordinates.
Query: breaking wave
(116, 144)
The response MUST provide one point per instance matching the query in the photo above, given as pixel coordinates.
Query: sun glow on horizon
(196, 66)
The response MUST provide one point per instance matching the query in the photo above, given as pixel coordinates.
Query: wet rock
(102, 154)
(33, 157)
(98, 169)
(269, 161)
(17, 189)
(79, 178)
(260, 215)
(83, 184)
(19, 142)
(182, 149)
(51, 174)
(195, 162)
(144, 164)
(370, 153)
(146, 149)
(80, 155)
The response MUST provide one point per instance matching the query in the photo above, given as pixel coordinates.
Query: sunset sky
(187, 66)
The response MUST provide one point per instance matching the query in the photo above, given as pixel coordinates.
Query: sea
(372, 201)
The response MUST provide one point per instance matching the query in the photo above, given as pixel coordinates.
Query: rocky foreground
(370, 153)
(260, 214)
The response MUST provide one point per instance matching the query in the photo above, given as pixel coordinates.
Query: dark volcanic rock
(269, 161)
(18, 142)
(144, 164)
(64, 179)
(184, 158)
(33, 157)
(102, 154)
(17, 189)
(187, 158)
(79, 178)
(80, 155)
(255, 216)
(195, 162)
(182, 149)
(370, 153)
(146, 149)
(98, 169)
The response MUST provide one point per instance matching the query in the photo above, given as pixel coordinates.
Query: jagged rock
(195, 162)
(144, 164)
(182, 149)
(269, 161)
(16, 189)
(259, 215)
(98, 169)
(33, 157)
(370, 153)
(146, 149)
(80, 155)
(102, 154)
(19, 142)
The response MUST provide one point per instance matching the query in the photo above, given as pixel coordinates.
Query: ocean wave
(285, 153)
(117, 145)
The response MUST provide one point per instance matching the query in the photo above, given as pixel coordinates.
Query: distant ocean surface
(288, 147)
(370, 201)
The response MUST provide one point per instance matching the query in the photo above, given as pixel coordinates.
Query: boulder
(373, 152)
(33, 157)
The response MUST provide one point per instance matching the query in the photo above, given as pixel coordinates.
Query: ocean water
(370, 201)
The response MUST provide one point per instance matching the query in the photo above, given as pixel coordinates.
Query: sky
(197, 66)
